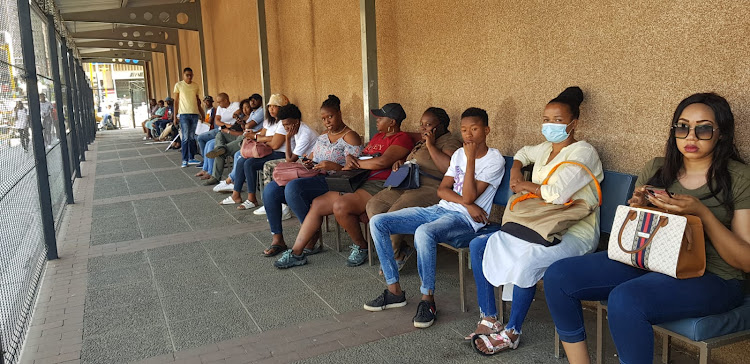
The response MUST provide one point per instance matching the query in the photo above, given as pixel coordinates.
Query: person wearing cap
(165, 119)
(386, 147)
(161, 109)
(187, 111)
(258, 114)
(274, 135)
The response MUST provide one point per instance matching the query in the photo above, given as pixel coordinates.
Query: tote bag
(530, 218)
(652, 239)
(287, 171)
(253, 149)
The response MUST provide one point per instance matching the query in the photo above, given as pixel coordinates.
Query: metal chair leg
(338, 236)
(461, 278)
(704, 354)
(665, 354)
(370, 250)
(599, 333)
(325, 223)
(558, 353)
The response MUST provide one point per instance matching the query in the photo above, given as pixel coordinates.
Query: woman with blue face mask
(502, 259)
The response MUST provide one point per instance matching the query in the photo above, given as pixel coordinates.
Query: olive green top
(740, 174)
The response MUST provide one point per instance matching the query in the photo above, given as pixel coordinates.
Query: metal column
(76, 111)
(265, 74)
(71, 116)
(35, 116)
(369, 64)
(202, 43)
(166, 71)
(54, 50)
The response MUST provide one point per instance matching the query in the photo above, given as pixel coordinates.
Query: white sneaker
(227, 187)
(218, 187)
(286, 212)
(260, 211)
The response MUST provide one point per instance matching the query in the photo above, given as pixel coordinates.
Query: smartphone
(654, 191)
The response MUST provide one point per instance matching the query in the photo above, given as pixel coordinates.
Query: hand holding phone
(657, 191)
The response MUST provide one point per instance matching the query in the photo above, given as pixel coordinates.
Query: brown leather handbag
(652, 239)
(253, 149)
(530, 218)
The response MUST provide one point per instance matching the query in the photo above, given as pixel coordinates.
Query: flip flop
(228, 201)
(274, 250)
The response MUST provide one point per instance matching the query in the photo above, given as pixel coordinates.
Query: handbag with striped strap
(652, 239)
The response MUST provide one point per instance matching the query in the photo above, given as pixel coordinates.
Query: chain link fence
(49, 143)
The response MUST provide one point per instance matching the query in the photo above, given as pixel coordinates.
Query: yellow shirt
(188, 93)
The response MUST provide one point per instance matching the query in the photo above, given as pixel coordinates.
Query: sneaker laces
(423, 309)
(355, 251)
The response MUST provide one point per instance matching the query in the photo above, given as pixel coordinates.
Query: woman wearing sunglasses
(706, 177)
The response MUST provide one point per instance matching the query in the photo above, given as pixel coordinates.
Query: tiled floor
(153, 269)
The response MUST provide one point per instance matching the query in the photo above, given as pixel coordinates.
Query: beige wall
(634, 62)
(190, 54)
(231, 37)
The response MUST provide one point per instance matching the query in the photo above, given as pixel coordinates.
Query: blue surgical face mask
(555, 133)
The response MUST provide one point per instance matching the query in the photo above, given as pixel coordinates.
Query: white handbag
(658, 241)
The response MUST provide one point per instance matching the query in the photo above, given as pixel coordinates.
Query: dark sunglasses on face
(702, 132)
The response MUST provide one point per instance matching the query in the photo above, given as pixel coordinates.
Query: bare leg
(577, 353)
(347, 210)
(321, 206)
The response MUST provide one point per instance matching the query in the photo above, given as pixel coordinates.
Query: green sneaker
(288, 260)
(357, 256)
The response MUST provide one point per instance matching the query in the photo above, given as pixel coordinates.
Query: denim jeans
(636, 298)
(233, 173)
(203, 140)
(247, 170)
(298, 194)
(188, 123)
(208, 163)
(522, 297)
(430, 226)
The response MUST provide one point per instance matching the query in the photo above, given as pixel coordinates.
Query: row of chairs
(705, 333)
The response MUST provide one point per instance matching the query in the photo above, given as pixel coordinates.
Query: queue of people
(701, 169)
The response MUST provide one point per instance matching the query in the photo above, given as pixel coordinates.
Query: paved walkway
(152, 269)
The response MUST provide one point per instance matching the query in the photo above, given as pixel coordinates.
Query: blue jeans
(159, 126)
(208, 163)
(233, 174)
(636, 298)
(188, 123)
(203, 140)
(522, 297)
(298, 194)
(430, 226)
(251, 167)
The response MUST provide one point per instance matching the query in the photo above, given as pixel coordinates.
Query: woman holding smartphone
(706, 177)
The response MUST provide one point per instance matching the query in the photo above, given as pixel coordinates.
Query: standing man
(21, 114)
(48, 125)
(187, 107)
(116, 120)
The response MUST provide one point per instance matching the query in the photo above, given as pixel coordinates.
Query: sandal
(274, 250)
(247, 205)
(504, 343)
(495, 327)
(228, 201)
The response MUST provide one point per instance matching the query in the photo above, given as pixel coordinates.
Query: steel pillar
(53, 55)
(369, 64)
(265, 74)
(71, 116)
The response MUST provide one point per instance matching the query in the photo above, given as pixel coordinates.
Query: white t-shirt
(226, 113)
(22, 117)
(304, 141)
(489, 169)
(274, 129)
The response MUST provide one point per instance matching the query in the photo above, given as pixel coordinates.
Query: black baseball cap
(208, 98)
(256, 97)
(392, 110)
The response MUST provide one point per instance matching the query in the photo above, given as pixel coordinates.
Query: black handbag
(347, 181)
(407, 177)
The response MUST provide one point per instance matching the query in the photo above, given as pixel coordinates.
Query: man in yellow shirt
(187, 107)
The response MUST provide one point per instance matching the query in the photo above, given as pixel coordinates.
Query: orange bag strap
(549, 175)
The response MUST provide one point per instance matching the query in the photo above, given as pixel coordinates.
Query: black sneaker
(385, 301)
(426, 314)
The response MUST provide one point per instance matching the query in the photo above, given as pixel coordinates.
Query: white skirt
(510, 261)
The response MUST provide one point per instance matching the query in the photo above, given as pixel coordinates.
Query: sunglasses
(702, 132)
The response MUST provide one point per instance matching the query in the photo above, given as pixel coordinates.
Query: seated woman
(519, 263)
(158, 114)
(706, 177)
(328, 154)
(389, 145)
(208, 163)
(274, 135)
(433, 155)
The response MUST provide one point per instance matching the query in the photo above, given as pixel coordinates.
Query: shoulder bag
(347, 181)
(652, 239)
(528, 217)
(287, 171)
(253, 149)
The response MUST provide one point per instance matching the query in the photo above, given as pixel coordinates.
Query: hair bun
(334, 99)
(572, 94)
